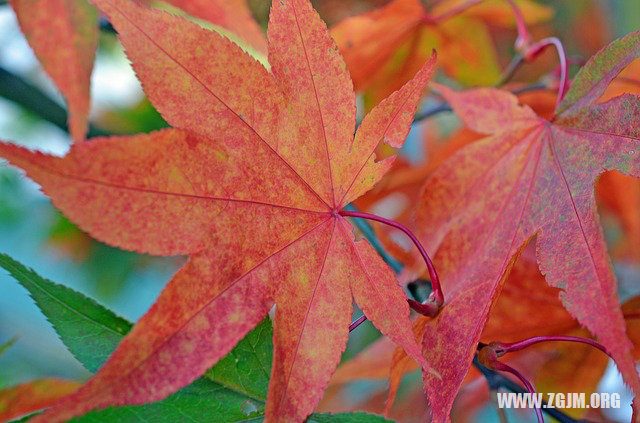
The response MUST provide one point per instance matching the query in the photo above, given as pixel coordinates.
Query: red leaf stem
(524, 38)
(436, 295)
(497, 365)
(534, 51)
(357, 322)
(504, 348)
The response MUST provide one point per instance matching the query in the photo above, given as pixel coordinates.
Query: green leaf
(247, 367)
(90, 331)
(234, 390)
(203, 401)
(346, 418)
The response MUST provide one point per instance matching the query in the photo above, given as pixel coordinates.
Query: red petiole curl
(436, 295)
(524, 38)
(497, 365)
(534, 51)
(488, 356)
(502, 348)
(523, 43)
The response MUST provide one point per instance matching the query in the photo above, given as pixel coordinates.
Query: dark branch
(444, 107)
(496, 381)
(511, 69)
(105, 26)
(33, 99)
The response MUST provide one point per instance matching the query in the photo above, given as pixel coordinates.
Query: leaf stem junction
(502, 348)
(436, 297)
(488, 356)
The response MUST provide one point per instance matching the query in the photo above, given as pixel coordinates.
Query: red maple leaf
(250, 186)
(32, 396)
(64, 35)
(530, 176)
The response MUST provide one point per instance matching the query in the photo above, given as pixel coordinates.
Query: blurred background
(33, 232)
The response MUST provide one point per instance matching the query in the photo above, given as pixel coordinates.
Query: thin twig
(511, 69)
(443, 107)
(360, 320)
(496, 381)
(4, 347)
(529, 88)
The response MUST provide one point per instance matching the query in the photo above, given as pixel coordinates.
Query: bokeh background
(33, 232)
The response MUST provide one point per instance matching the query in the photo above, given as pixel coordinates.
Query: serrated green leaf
(247, 367)
(346, 418)
(203, 401)
(234, 390)
(90, 331)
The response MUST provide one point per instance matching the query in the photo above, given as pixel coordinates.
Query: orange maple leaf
(250, 186)
(530, 176)
(32, 396)
(385, 47)
(64, 35)
(526, 307)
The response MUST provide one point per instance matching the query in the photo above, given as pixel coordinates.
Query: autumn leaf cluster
(268, 167)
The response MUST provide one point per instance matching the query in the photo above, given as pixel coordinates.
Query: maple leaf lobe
(248, 185)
